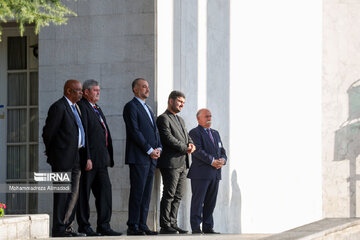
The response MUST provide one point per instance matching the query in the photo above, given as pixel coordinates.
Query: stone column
(340, 109)
(218, 96)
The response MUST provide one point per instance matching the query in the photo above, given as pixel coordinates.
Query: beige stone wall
(341, 108)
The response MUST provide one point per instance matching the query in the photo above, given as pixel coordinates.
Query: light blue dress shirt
(149, 114)
(80, 135)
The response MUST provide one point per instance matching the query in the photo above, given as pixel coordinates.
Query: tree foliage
(38, 12)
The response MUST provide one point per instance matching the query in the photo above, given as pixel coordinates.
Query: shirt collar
(92, 105)
(69, 102)
(206, 129)
(167, 110)
(140, 100)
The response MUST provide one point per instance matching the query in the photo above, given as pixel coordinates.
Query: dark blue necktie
(148, 111)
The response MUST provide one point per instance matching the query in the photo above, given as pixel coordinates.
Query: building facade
(257, 69)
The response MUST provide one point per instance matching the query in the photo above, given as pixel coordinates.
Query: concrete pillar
(197, 73)
(218, 97)
(340, 97)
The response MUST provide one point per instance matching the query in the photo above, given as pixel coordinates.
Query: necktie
(210, 135)
(78, 121)
(103, 124)
(148, 111)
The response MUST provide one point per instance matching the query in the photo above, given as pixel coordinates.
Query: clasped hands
(155, 154)
(218, 163)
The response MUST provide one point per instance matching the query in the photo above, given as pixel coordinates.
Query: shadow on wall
(235, 205)
(347, 142)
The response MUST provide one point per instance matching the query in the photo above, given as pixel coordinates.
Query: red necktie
(103, 124)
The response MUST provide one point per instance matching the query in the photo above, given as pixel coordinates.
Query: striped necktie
(210, 135)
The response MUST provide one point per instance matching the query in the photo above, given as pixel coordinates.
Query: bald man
(64, 137)
(205, 173)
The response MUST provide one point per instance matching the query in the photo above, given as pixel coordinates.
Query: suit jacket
(175, 140)
(61, 136)
(141, 133)
(96, 149)
(205, 152)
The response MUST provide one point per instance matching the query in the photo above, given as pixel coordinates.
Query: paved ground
(182, 236)
(37, 226)
(325, 229)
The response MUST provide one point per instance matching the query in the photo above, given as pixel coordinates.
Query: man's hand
(218, 163)
(222, 161)
(191, 148)
(155, 154)
(88, 166)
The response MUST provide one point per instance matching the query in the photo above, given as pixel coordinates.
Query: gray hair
(88, 84)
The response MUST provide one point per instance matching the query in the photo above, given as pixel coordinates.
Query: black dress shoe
(149, 232)
(75, 233)
(168, 230)
(134, 232)
(210, 231)
(197, 231)
(61, 234)
(181, 231)
(110, 232)
(90, 232)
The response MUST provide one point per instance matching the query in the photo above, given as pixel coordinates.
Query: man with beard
(143, 148)
(173, 162)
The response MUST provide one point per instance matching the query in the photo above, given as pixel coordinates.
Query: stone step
(24, 226)
(325, 229)
(36, 226)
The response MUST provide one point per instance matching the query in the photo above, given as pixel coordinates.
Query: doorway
(19, 125)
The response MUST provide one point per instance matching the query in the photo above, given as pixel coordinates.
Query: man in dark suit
(143, 148)
(95, 160)
(64, 136)
(173, 162)
(205, 173)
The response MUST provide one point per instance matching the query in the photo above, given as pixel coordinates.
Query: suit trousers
(174, 180)
(141, 181)
(65, 204)
(203, 201)
(98, 181)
